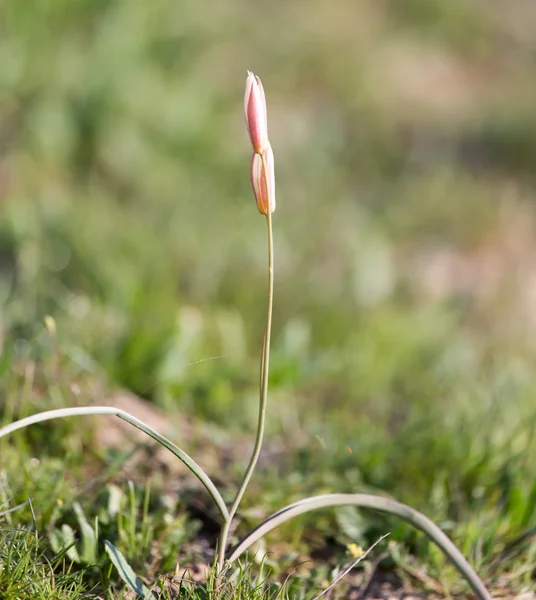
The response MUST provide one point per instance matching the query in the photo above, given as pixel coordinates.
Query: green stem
(110, 410)
(265, 365)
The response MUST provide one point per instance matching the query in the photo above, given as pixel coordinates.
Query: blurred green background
(404, 134)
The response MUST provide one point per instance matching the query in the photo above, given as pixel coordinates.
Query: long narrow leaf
(110, 410)
(89, 535)
(385, 505)
(126, 572)
(13, 508)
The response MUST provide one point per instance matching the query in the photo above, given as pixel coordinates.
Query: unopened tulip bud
(265, 197)
(255, 111)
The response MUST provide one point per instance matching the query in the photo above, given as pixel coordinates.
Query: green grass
(403, 354)
(28, 574)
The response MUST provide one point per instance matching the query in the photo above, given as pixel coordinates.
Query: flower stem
(264, 369)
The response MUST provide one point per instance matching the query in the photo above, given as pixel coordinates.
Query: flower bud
(265, 198)
(255, 111)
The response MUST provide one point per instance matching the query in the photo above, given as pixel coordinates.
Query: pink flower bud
(265, 198)
(255, 111)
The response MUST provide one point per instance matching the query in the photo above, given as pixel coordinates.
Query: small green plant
(263, 183)
(27, 574)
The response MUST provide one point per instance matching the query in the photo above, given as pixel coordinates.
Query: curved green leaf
(110, 410)
(385, 505)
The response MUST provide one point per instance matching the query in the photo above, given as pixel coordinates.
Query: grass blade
(352, 565)
(13, 508)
